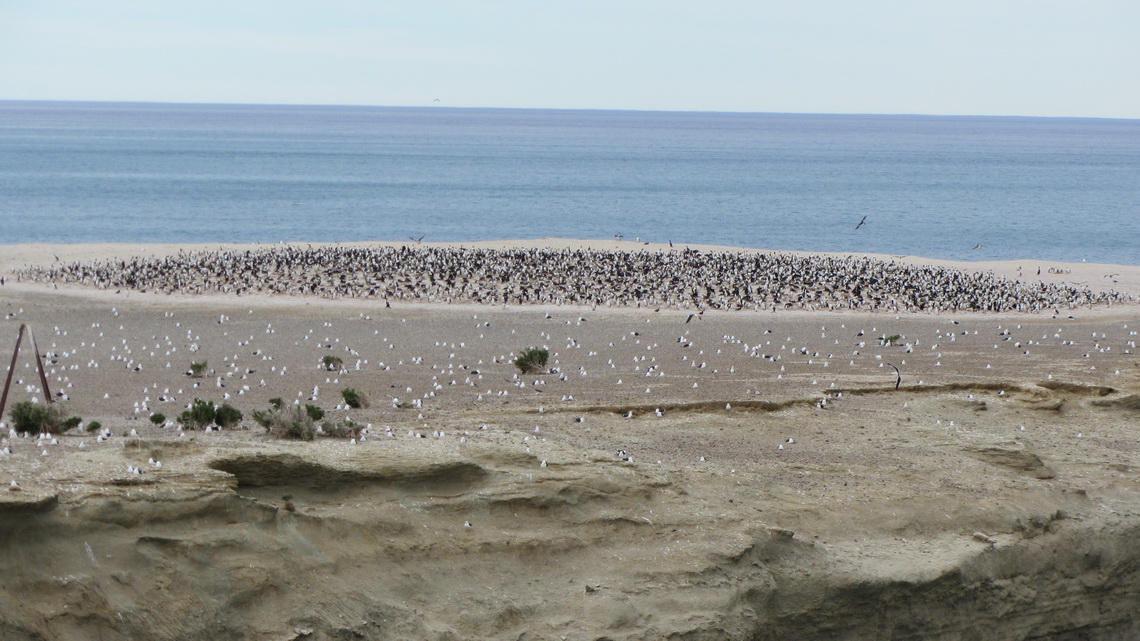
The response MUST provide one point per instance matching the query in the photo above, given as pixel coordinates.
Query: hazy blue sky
(1016, 57)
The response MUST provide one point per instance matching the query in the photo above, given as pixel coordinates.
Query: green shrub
(276, 402)
(198, 368)
(314, 412)
(157, 418)
(227, 416)
(331, 363)
(32, 418)
(94, 426)
(300, 423)
(532, 360)
(200, 414)
(892, 339)
(353, 398)
(28, 417)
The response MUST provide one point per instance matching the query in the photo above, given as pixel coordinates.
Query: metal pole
(40, 366)
(11, 371)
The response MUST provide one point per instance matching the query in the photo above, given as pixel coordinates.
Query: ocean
(965, 188)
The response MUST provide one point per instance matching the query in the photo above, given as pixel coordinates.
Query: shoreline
(13, 252)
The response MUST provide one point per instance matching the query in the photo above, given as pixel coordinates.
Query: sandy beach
(671, 472)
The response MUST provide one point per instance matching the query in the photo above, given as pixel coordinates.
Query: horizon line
(583, 109)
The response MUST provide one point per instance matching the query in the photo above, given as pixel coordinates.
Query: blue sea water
(1043, 188)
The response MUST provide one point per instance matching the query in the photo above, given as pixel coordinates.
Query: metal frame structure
(12, 368)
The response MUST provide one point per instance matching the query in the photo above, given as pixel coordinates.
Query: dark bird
(418, 240)
(979, 246)
(898, 375)
(861, 222)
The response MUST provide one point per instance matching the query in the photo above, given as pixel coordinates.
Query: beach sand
(735, 475)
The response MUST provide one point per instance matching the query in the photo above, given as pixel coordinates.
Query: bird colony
(677, 279)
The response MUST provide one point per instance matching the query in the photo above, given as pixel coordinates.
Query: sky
(971, 57)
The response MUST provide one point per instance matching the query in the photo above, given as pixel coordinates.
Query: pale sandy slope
(994, 495)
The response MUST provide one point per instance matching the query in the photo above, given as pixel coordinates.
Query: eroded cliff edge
(874, 519)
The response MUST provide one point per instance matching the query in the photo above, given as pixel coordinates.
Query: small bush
(892, 339)
(33, 418)
(157, 418)
(532, 360)
(345, 429)
(227, 416)
(314, 412)
(28, 417)
(331, 363)
(299, 423)
(276, 402)
(94, 426)
(353, 398)
(298, 430)
(200, 414)
(198, 368)
(287, 422)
